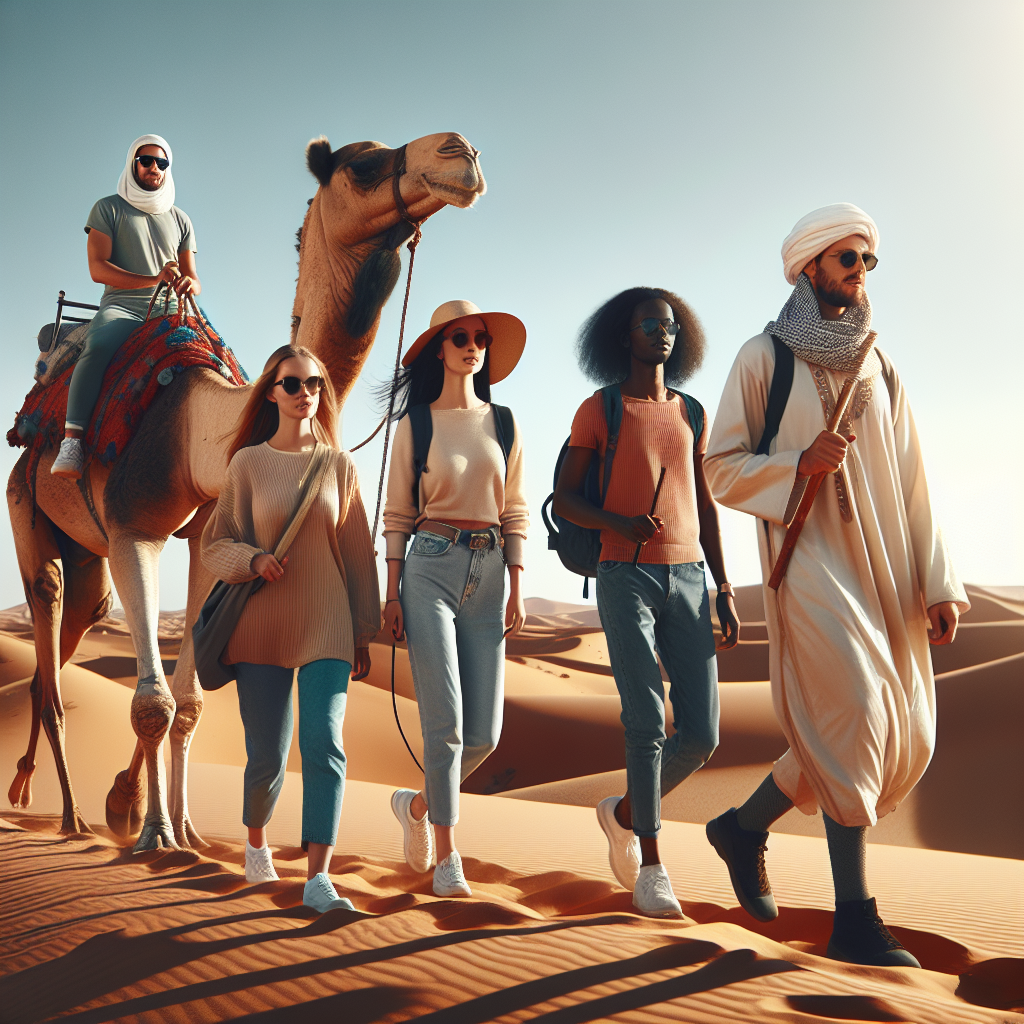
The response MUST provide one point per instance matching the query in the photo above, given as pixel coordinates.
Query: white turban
(814, 233)
(131, 191)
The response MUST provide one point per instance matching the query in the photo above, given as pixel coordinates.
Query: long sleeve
(400, 513)
(936, 575)
(356, 547)
(761, 485)
(515, 517)
(226, 550)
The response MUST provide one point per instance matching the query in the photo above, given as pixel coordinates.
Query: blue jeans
(453, 604)
(265, 702)
(652, 610)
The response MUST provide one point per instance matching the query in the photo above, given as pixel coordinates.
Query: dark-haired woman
(638, 342)
(318, 613)
(469, 516)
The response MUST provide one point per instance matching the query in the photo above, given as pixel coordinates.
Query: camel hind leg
(39, 561)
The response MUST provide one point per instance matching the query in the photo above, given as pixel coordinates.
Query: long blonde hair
(260, 418)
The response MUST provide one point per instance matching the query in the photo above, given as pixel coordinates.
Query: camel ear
(320, 160)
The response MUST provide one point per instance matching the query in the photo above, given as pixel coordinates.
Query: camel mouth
(460, 190)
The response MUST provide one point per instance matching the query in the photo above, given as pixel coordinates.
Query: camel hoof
(20, 793)
(125, 806)
(75, 825)
(156, 835)
(188, 838)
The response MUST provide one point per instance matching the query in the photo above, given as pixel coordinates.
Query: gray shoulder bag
(223, 608)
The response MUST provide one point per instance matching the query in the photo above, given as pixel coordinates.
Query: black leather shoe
(859, 936)
(743, 853)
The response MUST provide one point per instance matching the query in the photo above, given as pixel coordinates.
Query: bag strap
(422, 434)
(309, 487)
(694, 413)
(612, 398)
(505, 430)
(778, 394)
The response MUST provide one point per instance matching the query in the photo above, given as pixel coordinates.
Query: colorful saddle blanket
(148, 360)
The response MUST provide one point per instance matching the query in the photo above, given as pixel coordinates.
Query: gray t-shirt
(142, 244)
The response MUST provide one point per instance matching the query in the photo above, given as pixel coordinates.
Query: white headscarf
(131, 191)
(814, 233)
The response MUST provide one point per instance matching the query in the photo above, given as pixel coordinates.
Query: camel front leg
(188, 697)
(134, 564)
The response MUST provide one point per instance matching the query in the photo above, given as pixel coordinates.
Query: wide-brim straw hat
(508, 332)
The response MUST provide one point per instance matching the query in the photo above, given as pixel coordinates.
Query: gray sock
(848, 851)
(766, 804)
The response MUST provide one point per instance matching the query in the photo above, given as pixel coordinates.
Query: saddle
(150, 358)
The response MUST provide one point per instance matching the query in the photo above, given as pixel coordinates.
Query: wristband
(725, 588)
(392, 600)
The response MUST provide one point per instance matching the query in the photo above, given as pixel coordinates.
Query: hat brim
(508, 332)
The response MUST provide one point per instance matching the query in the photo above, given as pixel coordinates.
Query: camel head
(349, 242)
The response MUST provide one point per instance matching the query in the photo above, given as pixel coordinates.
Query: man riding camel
(869, 584)
(137, 239)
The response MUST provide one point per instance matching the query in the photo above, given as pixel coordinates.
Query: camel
(368, 202)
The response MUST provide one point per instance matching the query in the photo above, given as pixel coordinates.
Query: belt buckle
(479, 540)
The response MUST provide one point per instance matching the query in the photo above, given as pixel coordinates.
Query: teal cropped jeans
(265, 702)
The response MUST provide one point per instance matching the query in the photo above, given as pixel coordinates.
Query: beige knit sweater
(328, 601)
(464, 478)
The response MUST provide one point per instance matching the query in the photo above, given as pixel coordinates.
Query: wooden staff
(654, 505)
(814, 482)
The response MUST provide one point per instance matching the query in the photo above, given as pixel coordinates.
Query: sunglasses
(460, 338)
(291, 385)
(848, 258)
(650, 324)
(148, 161)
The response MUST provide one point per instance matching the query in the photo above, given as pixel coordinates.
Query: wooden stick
(814, 482)
(654, 505)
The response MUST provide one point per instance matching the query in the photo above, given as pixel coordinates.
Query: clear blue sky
(623, 143)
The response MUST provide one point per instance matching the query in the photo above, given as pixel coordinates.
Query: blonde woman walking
(317, 613)
(456, 486)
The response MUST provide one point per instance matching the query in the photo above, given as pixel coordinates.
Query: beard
(836, 292)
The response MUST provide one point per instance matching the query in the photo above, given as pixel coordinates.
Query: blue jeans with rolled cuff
(453, 604)
(265, 703)
(647, 611)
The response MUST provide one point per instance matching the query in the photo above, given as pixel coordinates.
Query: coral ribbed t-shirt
(652, 435)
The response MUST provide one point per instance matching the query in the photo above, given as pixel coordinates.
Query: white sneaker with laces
(259, 864)
(320, 894)
(418, 835)
(70, 459)
(623, 845)
(653, 894)
(449, 879)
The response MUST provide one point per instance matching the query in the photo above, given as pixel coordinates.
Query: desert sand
(548, 933)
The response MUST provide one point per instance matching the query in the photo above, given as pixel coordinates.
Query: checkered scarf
(835, 344)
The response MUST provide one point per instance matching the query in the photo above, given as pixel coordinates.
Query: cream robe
(850, 668)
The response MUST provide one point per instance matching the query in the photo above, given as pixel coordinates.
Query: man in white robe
(869, 584)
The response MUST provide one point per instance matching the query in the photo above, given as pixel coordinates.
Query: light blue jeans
(453, 604)
(652, 610)
(265, 702)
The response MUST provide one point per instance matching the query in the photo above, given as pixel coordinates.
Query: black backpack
(579, 547)
(423, 432)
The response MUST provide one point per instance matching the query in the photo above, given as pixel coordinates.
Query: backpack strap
(694, 413)
(505, 430)
(612, 398)
(422, 433)
(778, 394)
(889, 376)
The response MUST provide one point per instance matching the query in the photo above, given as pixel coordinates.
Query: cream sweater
(328, 601)
(464, 478)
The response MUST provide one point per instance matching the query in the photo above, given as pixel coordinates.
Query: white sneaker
(320, 894)
(419, 836)
(70, 459)
(653, 894)
(449, 879)
(259, 865)
(623, 845)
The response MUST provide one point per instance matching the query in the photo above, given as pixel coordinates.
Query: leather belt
(473, 539)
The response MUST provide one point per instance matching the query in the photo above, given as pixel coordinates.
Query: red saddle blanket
(148, 360)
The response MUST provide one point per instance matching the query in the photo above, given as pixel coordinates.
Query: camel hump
(54, 361)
